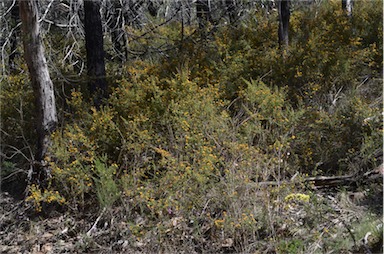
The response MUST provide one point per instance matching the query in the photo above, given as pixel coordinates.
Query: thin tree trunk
(95, 51)
(152, 9)
(182, 28)
(284, 15)
(347, 6)
(42, 87)
(231, 10)
(203, 13)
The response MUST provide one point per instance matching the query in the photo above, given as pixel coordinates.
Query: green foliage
(185, 140)
(7, 168)
(39, 197)
(73, 168)
(324, 141)
(78, 172)
(107, 190)
(292, 246)
(17, 119)
(369, 227)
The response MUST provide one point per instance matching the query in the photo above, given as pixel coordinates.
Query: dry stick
(365, 243)
(349, 231)
(46, 11)
(93, 228)
(325, 181)
(15, 172)
(6, 41)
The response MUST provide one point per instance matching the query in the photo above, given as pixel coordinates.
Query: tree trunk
(152, 9)
(203, 13)
(95, 51)
(284, 15)
(42, 87)
(347, 6)
(231, 10)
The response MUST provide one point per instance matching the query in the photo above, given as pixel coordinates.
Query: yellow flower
(219, 223)
(297, 197)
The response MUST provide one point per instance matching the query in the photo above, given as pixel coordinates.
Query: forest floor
(22, 231)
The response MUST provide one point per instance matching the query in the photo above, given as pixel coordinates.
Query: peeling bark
(347, 6)
(42, 87)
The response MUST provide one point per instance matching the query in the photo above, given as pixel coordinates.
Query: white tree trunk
(41, 83)
(347, 6)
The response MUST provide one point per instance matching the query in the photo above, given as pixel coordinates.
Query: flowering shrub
(199, 143)
(38, 197)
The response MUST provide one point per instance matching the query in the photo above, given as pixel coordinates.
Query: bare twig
(329, 181)
(94, 226)
(46, 11)
(12, 174)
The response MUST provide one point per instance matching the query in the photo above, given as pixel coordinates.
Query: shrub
(17, 120)
(73, 165)
(107, 190)
(196, 149)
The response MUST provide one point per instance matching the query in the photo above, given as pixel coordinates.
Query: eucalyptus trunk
(46, 116)
(347, 6)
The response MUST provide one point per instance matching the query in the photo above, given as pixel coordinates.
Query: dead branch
(94, 226)
(319, 182)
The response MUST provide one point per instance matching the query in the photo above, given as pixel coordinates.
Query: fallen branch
(94, 226)
(330, 181)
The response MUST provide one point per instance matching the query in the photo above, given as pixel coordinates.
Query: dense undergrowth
(183, 140)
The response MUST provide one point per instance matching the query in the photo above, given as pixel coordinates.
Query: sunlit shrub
(17, 119)
(39, 197)
(73, 165)
(79, 172)
(200, 143)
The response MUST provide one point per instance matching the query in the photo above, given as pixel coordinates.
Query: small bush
(107, 190)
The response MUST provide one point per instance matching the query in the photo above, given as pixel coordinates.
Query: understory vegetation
(207, 147)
